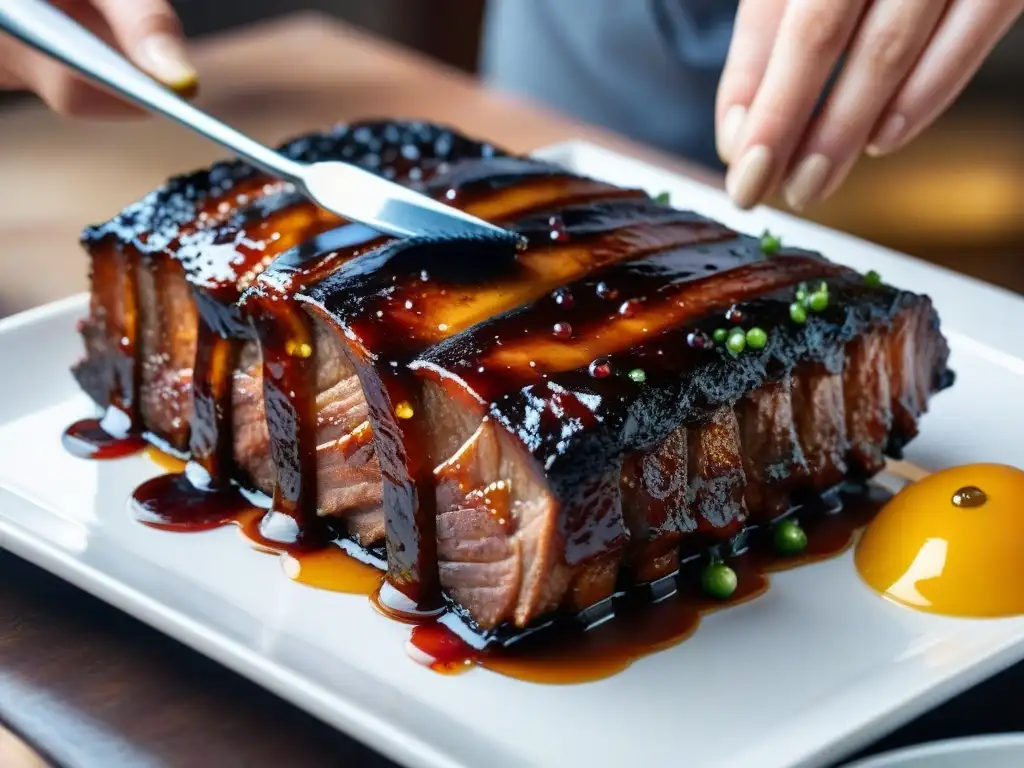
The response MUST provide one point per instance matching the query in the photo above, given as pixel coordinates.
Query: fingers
(61, 90)
(149, 32)
(757, 22)
(889, 40)
(967, 34)
(811, 37)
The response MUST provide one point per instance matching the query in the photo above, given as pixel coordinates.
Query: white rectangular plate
(813, 669)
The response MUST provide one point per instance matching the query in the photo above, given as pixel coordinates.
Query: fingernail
(746, 180)
(888, 138)
(164, 57)
(806, 183)
(730, 131)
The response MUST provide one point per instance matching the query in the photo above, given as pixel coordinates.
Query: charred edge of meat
(138, 256)
(713, 378)
(154, 221)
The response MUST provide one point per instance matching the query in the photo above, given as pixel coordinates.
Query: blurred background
(955, 196)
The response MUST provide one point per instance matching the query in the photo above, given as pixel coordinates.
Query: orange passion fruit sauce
(951, 543)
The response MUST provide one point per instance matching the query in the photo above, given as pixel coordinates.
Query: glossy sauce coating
(585, 337)
(951, 543)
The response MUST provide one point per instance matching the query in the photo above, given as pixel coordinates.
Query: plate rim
(970, 745)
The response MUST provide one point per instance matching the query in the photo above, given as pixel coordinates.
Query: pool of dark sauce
(327, 567)
(108, 437)
(196, 497)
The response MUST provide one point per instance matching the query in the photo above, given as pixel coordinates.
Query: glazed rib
(523, 434)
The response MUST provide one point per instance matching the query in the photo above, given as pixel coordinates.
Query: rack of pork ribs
(517, 435)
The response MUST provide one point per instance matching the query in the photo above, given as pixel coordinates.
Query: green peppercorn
(817, 301)
(638, 375)
(756, 338)
(770, 244)
(789, 538)
(801, 293)
(663, 199)
(719, 581)
(720, 335)
(797, 313)
(737, 341)
(873, 279)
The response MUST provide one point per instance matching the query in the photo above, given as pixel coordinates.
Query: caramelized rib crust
(525, 432)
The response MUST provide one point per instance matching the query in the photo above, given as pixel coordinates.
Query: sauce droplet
(604, 291)
(969, 496)
(628, 308)
(404, 410)
(558, 231)
(698, 340)
(437, 647)
(563, 298)
(601, 368)
(562, 331)
(734, 315)
(923, 551)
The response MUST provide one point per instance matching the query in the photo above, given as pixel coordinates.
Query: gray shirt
(646, 68)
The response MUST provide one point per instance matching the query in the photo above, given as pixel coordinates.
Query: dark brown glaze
(286, 340)
(537, 345)
(400, 443)
(394, 312)
(226, 248)
(210, 443)
(398, 300)
(647, 620)
(523, 378)
(215, 224)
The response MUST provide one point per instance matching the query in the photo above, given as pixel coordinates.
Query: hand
(905, 63)
(146, 30)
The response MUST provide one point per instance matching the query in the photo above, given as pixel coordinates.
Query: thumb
(150, 33)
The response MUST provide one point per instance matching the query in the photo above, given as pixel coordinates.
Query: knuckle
(892, 48)
(71, 97)
(159, 19)
(821, 27)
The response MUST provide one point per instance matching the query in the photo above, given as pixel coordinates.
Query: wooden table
(86, 684)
